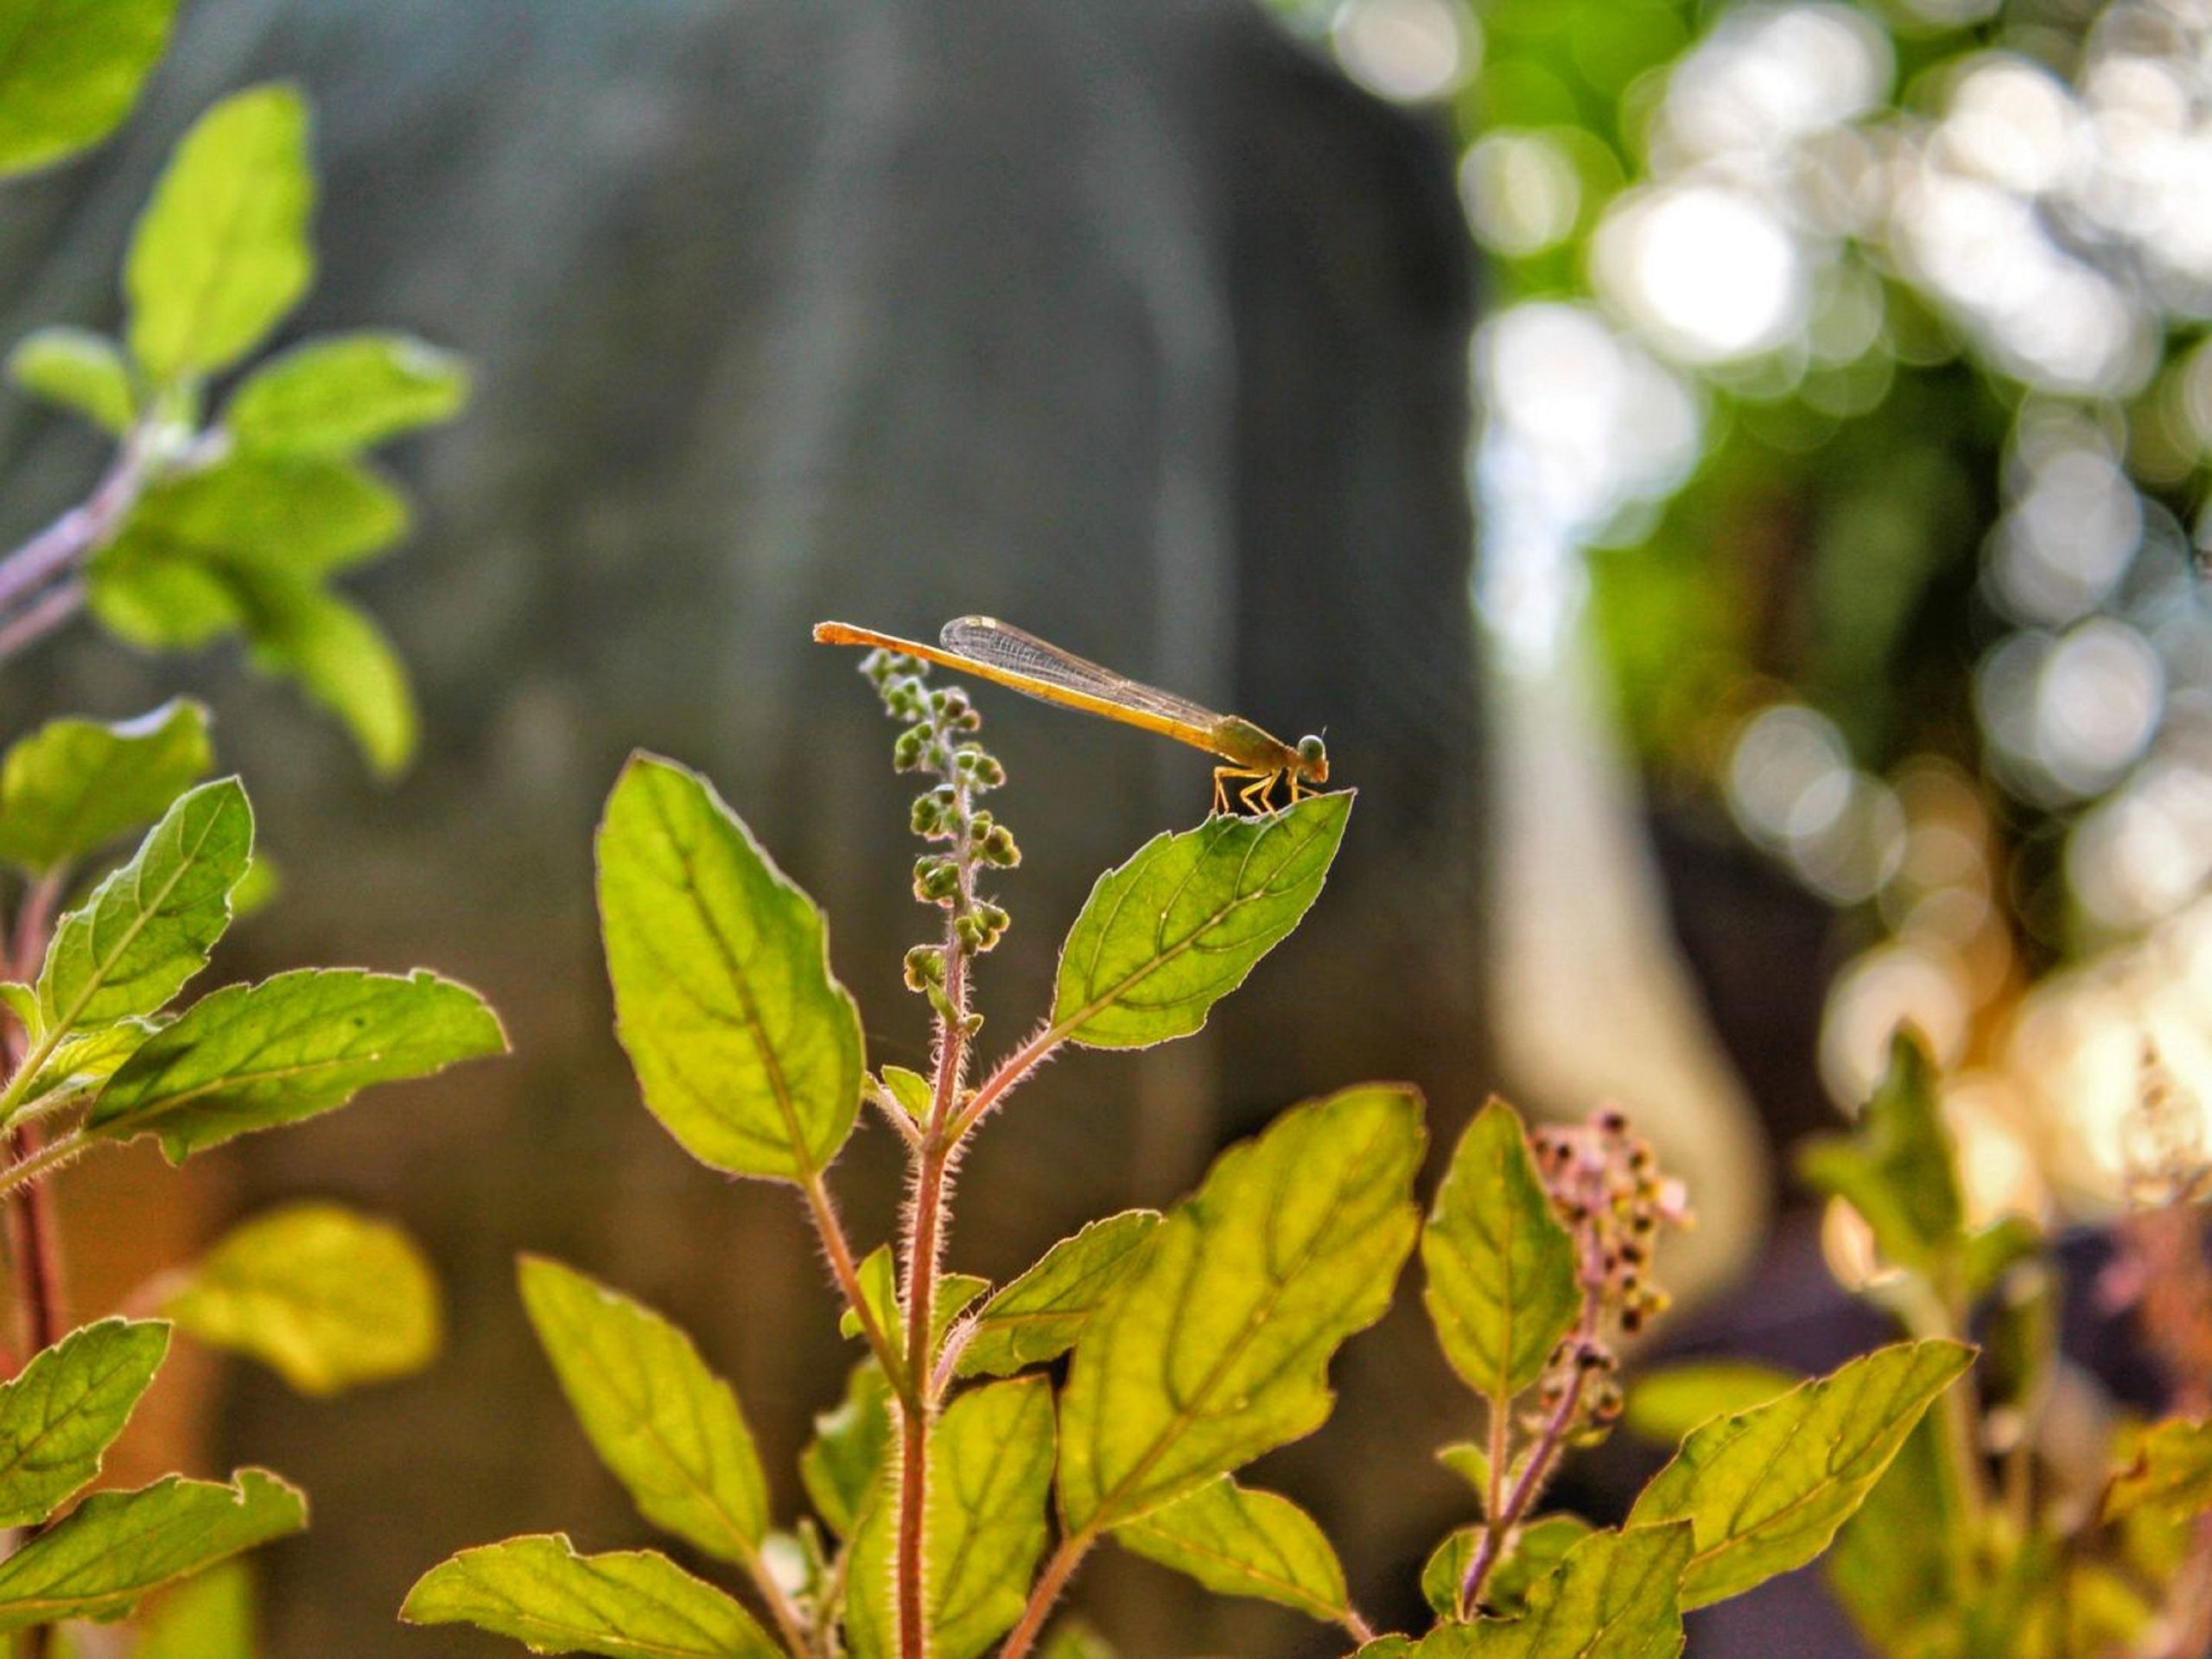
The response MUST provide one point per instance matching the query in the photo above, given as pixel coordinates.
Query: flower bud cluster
(939, 741)
(1606, 1189)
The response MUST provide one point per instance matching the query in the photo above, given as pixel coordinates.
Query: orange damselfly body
(1003, 654)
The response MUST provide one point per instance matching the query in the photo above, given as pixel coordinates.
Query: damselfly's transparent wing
(986, 639)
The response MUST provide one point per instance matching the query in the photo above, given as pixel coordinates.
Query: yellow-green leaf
(73, 785)
(1665, 1402)
(326, 1297)
(78, 370)
(341, 394)
(631, 1604)
(221, 252)
(1531, 1553)
(341, 658)
(253, 1057)
(2169, 1467)
(1237, 1541)
(841, 1464)
(1898, 1167)
(148, 928)
(1040, 1315)
(1613, 1596)
(210, 1617)
(298, 516)
(1216, 1347)
(745, 1046)
(665, 1425)
(990, 1474)
(114, 1548)
(58, 1415)
(1765, 1490)
(70, 70)
(1502, 1288)
(1177, 928)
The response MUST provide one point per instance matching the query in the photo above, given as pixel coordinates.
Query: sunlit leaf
(1891, 1565)
(73, 785)
(1766, 1489)
(341, 659)
(339, 395)
(1177, 928)
(841, 1464)
(70, 70)
(252, 1057)
(298, 516)
(990, 1474)
(1073, 1638)
(1215, 1348)
(746, 1047)
(911, 1090)
(114, 1548)
(631, 1604)
(2169, 1467)
(668, 1427)
(1501, 1289)
(1237, 1541)
(1665, 1402)
(208, 1617)
(1529, 1557)
(1039, 1316)
(327, 1298)
(78, 370)
(1898, 1167)
(1613, 1596)
(58, 1415)
(221, 252)
(148, 928)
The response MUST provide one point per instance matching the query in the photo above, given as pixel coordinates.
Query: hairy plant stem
(1499, 1521)
(822, 1210)
(929, 1223)
(1045, 1592)
(33, 1237)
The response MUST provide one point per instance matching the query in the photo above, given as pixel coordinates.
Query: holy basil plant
(989, 1437)
(123, 862)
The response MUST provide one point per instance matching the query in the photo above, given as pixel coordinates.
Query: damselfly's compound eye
(1314, 759)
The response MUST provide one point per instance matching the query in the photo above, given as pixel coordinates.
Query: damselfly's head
(1313, 760)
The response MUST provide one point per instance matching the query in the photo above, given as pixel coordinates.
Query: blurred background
(1727, 479)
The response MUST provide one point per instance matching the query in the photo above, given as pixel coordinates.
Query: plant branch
(1551, 1441)
(1045, 1593)
(789, 1625)
(822, 1210)
(36, 597)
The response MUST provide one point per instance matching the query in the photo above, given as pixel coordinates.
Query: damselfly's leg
(1254, 794)
(1246, 779)
(1298, 791)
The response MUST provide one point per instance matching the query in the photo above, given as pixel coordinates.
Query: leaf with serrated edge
(1502, 1288)
(1767, 1489)
(70, 70)
(1040, 1315)
(1612, 1596)
(58, 1415)
(221, 252)
(339, 395)
(747, 1049)
(2171, 1468)
(148, 928)
(210, 1617)
(326, 1297)
(990, 1474)
(668, 1427)
(630, 1603)
(841, 1464)
(1177, 928)
(117, 1547)
(73, 785)
(1216, 1348)
(1237, 1541)
(76, 369)
(253, 1057)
